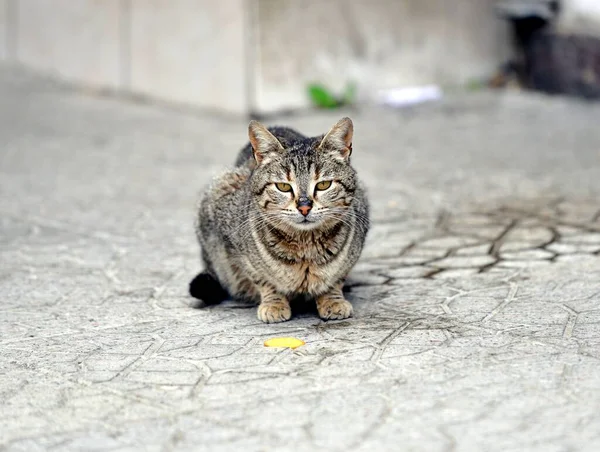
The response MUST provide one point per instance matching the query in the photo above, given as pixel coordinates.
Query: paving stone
(474, 250)
(523, 263)
(480, 232)
(407, 259)
(534, 235)
(409, 272)
(583, 259)
(422, 252)
(448, 242)
(527, 255)
(365, 279)
(567, 231)
(463, 262)
(572, 248)
(592, 238)
(506, 247)
(456, 273)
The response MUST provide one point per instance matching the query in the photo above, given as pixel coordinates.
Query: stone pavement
(477, 300)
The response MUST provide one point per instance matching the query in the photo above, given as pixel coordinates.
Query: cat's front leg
(273, 307)
(333, 306)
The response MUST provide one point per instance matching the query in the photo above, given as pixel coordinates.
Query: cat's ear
(339, 139)
(264, 144)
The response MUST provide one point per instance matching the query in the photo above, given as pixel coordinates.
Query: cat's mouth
(306, 222)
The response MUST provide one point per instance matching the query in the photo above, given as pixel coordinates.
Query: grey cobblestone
(477, 300)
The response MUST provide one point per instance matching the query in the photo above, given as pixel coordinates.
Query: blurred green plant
(475, 85)
(323, 97)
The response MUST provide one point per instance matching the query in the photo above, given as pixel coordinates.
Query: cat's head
(303, 184)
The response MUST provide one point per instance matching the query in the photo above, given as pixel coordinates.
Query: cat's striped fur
(265, 243)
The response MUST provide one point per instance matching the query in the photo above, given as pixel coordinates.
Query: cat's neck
(324, 231)
(319, 245)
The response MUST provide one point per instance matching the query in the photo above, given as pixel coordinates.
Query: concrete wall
(580, 16)
(190, 51)
(3, 29)
(184, 51)
(378, 43)
(75, 40)
(242, 55)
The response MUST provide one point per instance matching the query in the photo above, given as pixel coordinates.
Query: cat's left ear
(339, 139)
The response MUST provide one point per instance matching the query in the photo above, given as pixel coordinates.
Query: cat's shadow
(301, 305)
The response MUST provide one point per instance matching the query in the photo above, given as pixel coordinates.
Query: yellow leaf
(289, 342)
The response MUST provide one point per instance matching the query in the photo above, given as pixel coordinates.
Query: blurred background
(477, 296)
(267, 56)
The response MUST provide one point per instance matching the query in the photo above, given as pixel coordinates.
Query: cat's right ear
(264, 144)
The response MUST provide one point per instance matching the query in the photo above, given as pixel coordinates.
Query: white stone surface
(78, 41)
(475, 250)
(463, 262)
(100, 350)
(535, 254)
(191, 52)
(377, 43)
(568, 248)
(408, 272)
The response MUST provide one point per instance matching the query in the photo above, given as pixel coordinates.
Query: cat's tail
(205, 287)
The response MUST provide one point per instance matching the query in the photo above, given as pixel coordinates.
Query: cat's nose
(304, 205)
(304, 210)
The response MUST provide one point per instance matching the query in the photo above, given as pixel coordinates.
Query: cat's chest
(307, 266)
(306, 253)
(310, 278)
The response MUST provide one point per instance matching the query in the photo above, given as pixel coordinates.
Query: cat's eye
(282, 186)
(323, 185)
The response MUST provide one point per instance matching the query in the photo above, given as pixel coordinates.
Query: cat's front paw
(274, 312)
(334, 309)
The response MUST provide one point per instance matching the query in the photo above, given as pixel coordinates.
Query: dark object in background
(564, 64)
(527, 19)
(554, 63)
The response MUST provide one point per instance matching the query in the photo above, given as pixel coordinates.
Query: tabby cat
(288, 221)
